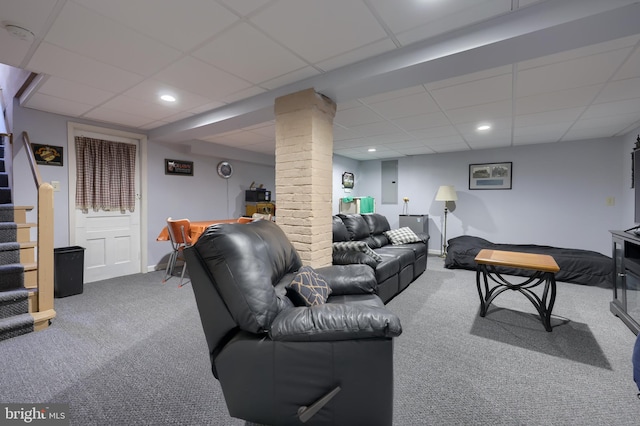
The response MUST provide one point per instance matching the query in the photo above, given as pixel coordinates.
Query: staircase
(19, 313)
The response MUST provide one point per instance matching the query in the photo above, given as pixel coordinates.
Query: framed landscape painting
(490, 176)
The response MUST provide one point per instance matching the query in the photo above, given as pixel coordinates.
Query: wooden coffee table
(543, 268)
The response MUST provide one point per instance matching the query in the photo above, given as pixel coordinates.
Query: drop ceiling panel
(75, 92)
(420, 103)
(319, 30)
(53, 60)
(476, 92)
(244, 7)
(291, 77)
(557, 100)
(585, 71)
(13, 49)
(540, 133)
(150, 90)
(485, 112)
(196, 76)
(258, 59)
(422, 121)
(108, 41)
(620, 90)
(57, 105)
(631, 67)
(356, 117)
(149, 110)
(556, 116)
(114, 116)
(182, 25)
(466, 12)
(613, 108)
(358, 54)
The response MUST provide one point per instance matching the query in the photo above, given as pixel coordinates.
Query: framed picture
(178, 167)
(490, 176)
(47, 154)
(347, 180)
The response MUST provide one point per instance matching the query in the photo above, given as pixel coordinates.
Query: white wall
(558, 196)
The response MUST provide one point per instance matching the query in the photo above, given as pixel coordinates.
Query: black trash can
(68, 268)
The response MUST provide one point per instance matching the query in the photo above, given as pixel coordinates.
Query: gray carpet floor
(132, 352)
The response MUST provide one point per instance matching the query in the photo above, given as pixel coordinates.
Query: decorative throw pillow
(357, 246)
(402, 236)
(308, 288)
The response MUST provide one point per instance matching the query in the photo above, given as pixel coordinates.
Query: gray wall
(558, 196)
(201, 197)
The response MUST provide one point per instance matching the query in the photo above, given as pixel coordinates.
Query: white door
(111, 239)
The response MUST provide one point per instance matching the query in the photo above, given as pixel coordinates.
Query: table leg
(544, 304)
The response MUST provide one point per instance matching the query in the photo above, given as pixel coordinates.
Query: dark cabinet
(626, 278)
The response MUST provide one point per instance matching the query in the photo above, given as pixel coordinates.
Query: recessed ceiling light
(372, 150)
(18, 31)
(483, 127)
(168, 98)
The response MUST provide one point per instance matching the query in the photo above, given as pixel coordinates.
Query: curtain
(105, 175)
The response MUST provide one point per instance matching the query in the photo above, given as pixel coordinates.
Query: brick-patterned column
(304, 176)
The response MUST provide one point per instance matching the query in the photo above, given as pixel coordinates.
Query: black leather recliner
(279, 364)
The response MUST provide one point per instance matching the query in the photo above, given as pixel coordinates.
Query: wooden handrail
(32, 160)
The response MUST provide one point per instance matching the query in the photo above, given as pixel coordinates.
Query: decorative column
(304, 173)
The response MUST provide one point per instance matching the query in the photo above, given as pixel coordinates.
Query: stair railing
(45, 232)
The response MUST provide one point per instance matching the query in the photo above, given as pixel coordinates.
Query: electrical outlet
(56, 185)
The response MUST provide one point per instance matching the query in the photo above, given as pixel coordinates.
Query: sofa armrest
(423, 236)
(349, 279)
(353, 258)
(334, 321)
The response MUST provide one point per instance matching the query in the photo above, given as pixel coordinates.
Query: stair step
(24, 232)
(27, 252)
(5, 195)
(16, 326)
(30, 275)
(8, 232)
(9, 253)
(14, 302)
(42, 319)
(13, 276)
(4, 180)
(11, 213)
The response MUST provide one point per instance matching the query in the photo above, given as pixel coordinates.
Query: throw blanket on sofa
(576, 266)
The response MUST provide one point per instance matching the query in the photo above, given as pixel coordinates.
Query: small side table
(543, 269)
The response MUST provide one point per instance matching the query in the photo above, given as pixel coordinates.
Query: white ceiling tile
(620, 90)
(150, 110)
(469, 78)
(435, 132)
(357, 54)
(466, 12)
(291, 77)
(52, 60)
(416, 151)
(621, 43)
(13, 49)
(476, 92)
(119, 117)
(356, 117)
(436, 142)
(244, 7)
(555, 116)
(109, 42)
(180, 24)
(243, 94)
(497, 125)
(610, 125)
(374, 129)
(422, 121)
(239, 49)
(75, 92)
(477, 113)
(631, 67)
(316, 31)
(195, 76)
(206, 107)
(557, 100)
(451, 148)
(420, 103)
(584, 71)
(57, 105)
(349, 104)
(540, 133)
(394, 94)
(151, 90)
(613, 108)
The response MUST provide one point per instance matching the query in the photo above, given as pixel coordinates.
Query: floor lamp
(446, 193)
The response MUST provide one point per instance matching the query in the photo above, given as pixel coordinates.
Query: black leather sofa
(400, 264)
(280, 364)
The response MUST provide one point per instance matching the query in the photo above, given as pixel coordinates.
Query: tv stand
(626, 278)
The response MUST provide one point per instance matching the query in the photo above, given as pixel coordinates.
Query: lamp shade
(446, 193)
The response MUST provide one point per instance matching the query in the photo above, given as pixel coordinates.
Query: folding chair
(179, 235)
